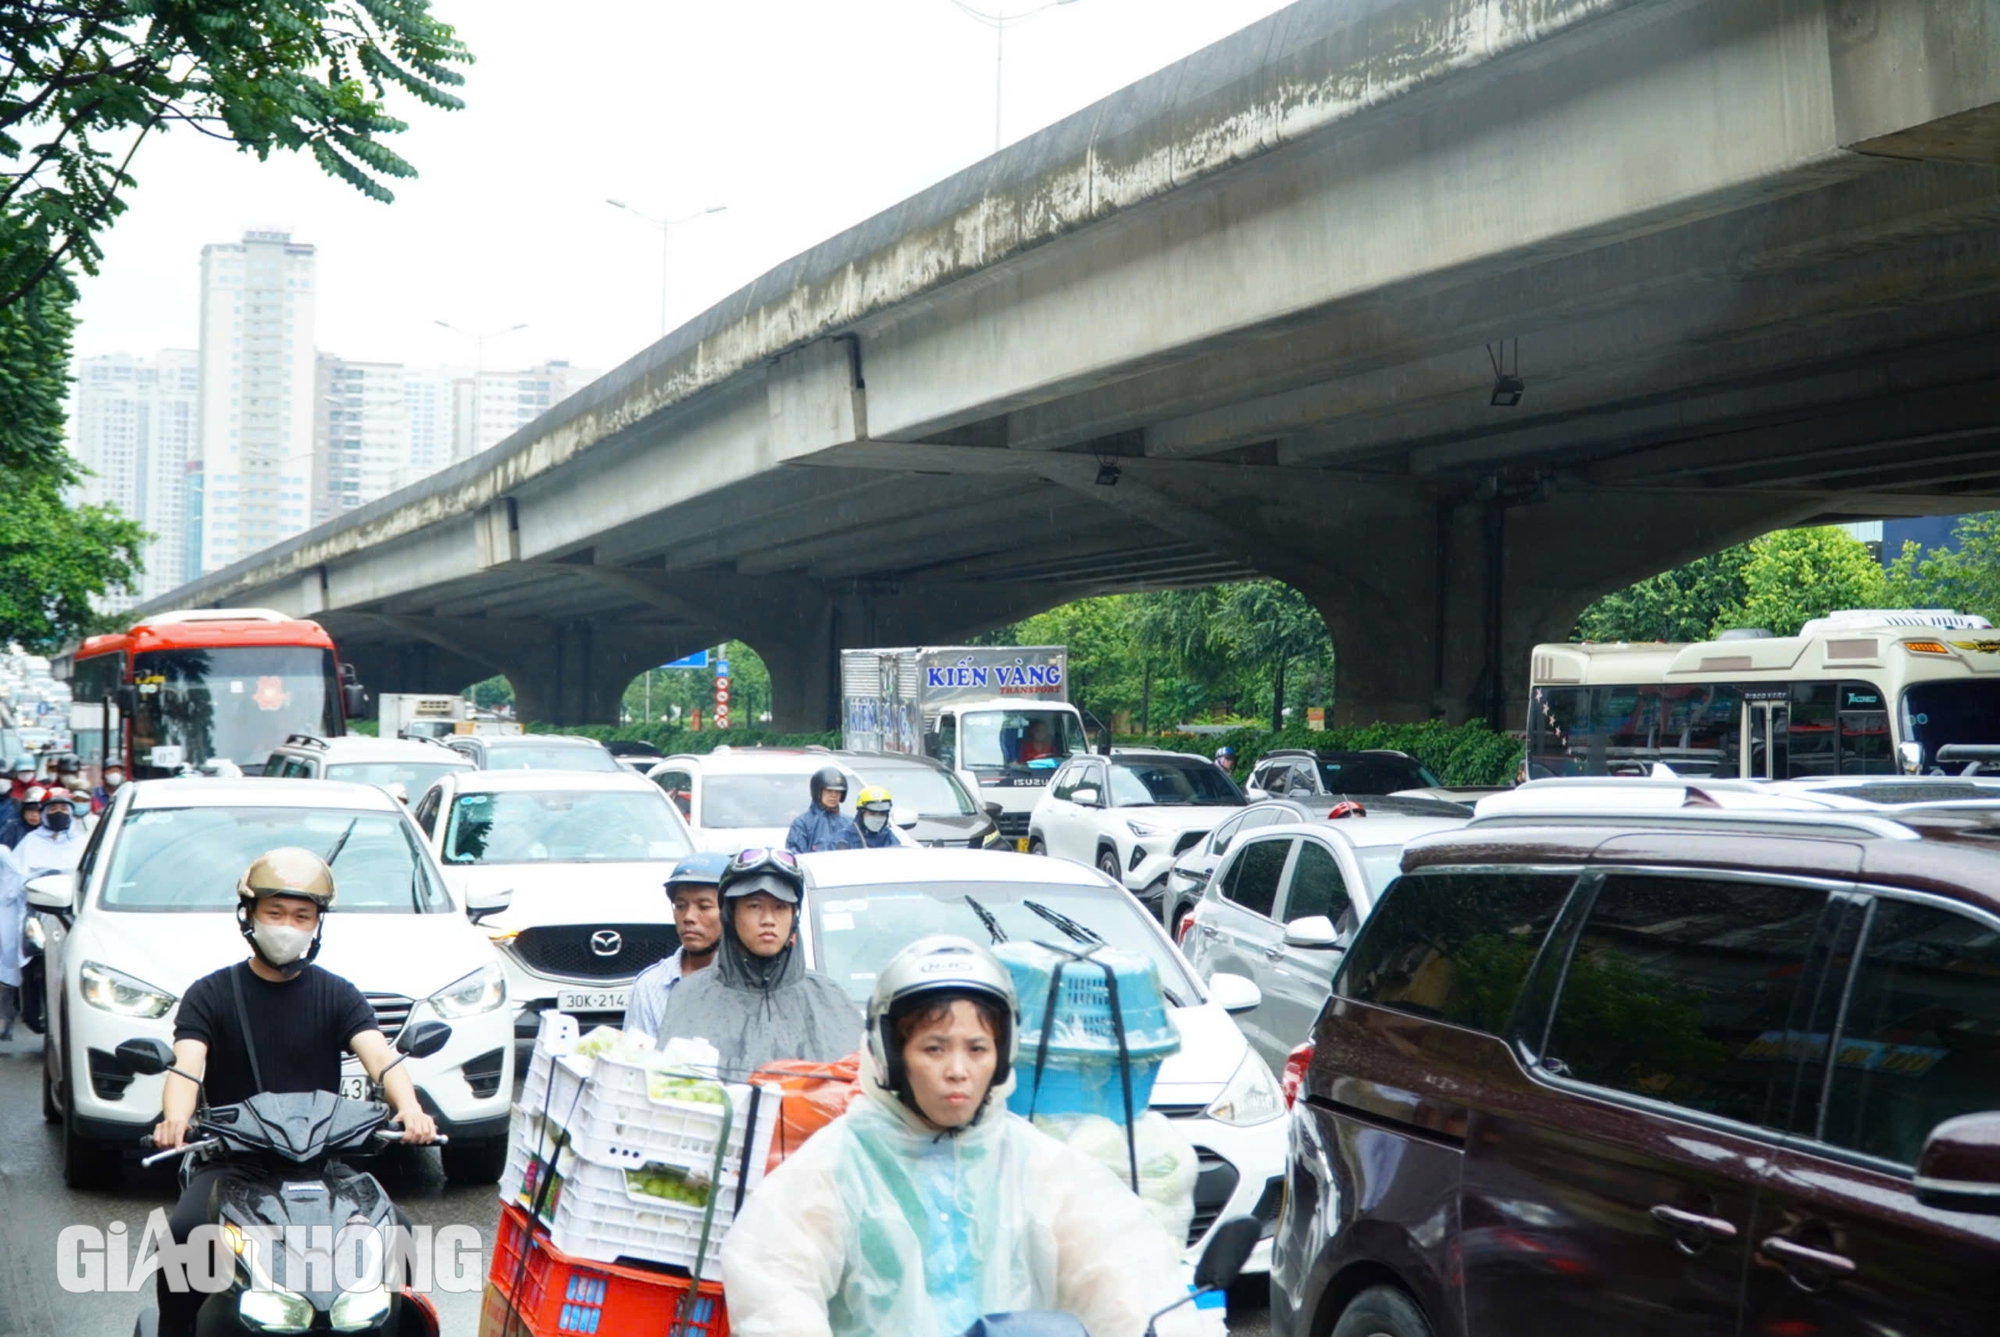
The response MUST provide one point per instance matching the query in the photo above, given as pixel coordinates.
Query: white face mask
(873, 821)
(112, 781)
(281, 944)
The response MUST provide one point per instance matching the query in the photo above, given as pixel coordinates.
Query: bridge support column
(1437, 620)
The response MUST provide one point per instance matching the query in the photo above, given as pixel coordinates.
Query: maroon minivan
(1723, 1072)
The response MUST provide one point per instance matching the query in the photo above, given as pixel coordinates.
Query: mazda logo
(607, 942)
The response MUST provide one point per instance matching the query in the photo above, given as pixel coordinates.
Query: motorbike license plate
(354, 1088)
(593, 1000)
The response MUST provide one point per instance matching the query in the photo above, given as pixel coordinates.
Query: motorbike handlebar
(202, 1145)
(396, 1135)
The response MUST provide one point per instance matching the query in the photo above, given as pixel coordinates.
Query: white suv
(1131, 814)
(741, 798)
(570, 868)
(152, 908)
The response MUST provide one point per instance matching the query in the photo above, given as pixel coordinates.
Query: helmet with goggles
(775, 872)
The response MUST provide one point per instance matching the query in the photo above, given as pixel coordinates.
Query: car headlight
(115, 991)
(1252, 1096)
(1141, 828)
(481, 991)
(357, 1311)
(275, 1310)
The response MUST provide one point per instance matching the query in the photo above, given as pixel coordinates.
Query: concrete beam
(1917, 81)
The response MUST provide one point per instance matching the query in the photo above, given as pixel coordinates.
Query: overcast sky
(803, 117)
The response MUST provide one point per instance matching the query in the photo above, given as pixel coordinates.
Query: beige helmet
(287, 871)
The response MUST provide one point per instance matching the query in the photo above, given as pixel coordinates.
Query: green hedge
(1462, 754)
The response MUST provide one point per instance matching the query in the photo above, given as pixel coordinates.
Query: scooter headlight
(358, 1311)
(275, 1310)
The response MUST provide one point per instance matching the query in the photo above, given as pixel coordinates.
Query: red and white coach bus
(180, 689)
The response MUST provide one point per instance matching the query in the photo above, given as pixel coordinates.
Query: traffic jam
(394, 1016)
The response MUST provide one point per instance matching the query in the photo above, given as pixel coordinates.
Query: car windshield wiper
(340, 844)
(1076, 931)
(986, 918)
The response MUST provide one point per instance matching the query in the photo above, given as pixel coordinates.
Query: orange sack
(814, 1095)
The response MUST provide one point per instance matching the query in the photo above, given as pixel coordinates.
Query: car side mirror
(479, 906)
(1959, 1166)
(1228, 1249)
(128, 701)
(1086, 797)
(1233, 993)
(54, 892)
(993, 810)
(930, 744)
(902, 817)
(423, 1039)
(1313, 932)
(1912, 757)
(146, 1058)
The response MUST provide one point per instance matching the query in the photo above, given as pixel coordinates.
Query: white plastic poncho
(13, 917)
(882, 1227)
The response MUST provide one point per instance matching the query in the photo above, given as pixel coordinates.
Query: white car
(569, 870)
(862, 906)
(1282, 906)
(742, 798)
(152, 908)
(1131, 814)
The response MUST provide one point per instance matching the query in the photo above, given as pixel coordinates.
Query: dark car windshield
(512, 756)
(1172, 783)
(1375, 775)
(1937, 714)
(563, 826)
(191, 858)
(856, 930)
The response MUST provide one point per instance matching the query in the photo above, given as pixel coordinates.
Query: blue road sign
(699, 659)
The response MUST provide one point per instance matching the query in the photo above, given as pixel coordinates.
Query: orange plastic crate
(536, 1291)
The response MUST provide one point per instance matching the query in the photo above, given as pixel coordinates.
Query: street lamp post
(666, 227)
(998, 21)
(479, 339)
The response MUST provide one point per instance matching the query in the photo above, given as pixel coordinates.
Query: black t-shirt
(302, 1027)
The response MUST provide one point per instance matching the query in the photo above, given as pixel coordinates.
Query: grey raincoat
(757, 1009)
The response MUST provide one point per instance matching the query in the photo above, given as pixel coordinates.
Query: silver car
(1283, 906)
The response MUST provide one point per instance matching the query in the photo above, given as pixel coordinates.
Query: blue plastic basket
(1082, 1027)
(1082, 1086)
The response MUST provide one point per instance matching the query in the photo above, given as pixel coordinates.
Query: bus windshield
(1938, 714)
(234, 702)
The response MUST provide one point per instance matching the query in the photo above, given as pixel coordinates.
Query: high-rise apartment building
(493, 405)
(132, 427)
(253, 476)
(361, 438)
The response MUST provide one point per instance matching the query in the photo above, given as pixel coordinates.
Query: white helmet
(930, 967)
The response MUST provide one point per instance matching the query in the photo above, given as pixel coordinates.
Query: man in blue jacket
(821, 826)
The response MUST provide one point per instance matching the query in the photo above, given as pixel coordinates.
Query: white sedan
(568, 870)
(864, 905)
(152, 909)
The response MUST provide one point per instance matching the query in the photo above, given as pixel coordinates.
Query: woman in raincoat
(928, 1204)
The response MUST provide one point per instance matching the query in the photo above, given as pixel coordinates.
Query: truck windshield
(237, 702)
(1039, 740)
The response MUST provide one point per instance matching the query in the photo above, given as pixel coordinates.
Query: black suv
(1679, 1072)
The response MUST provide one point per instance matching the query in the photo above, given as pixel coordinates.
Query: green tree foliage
(676, 693)
(491, 693)
(84, 83)
(1967, 579)
(34, 349)
(1677, 605)
(1798, 574)
(55, 560)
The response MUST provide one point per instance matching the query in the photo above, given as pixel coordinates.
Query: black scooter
(293, 1144)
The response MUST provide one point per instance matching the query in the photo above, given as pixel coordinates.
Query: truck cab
(1006, 752)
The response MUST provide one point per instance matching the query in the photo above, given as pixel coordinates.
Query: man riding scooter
(274, 1023)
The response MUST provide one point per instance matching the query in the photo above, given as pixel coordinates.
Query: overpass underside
(1248, 317)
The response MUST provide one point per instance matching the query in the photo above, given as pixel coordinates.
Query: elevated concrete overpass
(1247, 315)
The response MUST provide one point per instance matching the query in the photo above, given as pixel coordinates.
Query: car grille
(392, 1010)
(1213, 1187)
(1188, 840)
(1013, 824)
(566, 949)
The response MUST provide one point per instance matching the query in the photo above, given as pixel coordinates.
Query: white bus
(1862, 692)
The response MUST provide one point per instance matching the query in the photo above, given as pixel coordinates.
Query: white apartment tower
(361, 439)
(132, 425)
(254, 472)
(493, 405)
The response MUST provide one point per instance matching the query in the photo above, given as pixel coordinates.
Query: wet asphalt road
(35, 1207)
